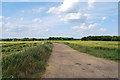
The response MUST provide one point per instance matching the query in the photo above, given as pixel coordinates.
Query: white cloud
(0, 23)
(93, 25)
(88, 16)
(27, 26)
(75, 17)
(102, 30)
(37, 20)
(69, 12)
(1, 17)
(31, 29)
(15, 28)
(84, 27)
(53, 10)
(70, 6)
(37, 10)
(91, 4)
(67, 6)
(70, 17)
(104, 18)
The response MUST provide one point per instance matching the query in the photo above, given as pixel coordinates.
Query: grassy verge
(111, 54)
(26, 63)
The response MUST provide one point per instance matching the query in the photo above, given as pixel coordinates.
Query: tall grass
(27, 63)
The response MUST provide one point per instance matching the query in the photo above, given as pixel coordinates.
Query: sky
(59, 19)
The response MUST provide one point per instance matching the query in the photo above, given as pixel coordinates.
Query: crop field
(104, 49)
(12, 48)
(24, 59)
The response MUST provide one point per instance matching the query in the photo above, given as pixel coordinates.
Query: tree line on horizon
(88, 38)
(36, 39)
(101, 38)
